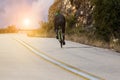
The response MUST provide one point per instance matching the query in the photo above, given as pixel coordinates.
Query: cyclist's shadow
(70, 47)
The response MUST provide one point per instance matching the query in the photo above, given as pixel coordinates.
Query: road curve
(96, 62)
(19, 63)
(103, 63)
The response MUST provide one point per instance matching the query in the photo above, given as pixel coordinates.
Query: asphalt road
(19, 62)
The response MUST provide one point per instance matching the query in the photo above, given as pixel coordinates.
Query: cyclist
(59, 20)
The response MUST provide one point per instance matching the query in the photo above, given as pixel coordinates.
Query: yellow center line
(80, 73)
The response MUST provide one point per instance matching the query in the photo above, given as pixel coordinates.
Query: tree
(11, 29)
(107, 18)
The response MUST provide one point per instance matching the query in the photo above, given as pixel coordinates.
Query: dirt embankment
(80, 39)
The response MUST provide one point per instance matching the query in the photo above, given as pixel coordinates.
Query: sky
(14, 12)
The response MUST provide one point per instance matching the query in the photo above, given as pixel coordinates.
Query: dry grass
(41, 34)
(79, 38)
(93, 42)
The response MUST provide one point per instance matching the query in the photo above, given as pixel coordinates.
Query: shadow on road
(76, 47)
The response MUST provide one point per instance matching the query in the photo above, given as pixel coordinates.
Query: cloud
(13, 11)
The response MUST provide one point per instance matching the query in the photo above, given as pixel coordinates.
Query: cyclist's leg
(56, 31)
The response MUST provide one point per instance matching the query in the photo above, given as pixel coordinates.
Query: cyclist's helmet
(57, 12)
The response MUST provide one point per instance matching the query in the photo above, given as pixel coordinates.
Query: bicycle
(60, 36)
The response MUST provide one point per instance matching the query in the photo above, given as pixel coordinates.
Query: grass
(78, 36)
(84, 39)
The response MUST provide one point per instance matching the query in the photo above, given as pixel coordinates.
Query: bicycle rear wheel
(61, 44)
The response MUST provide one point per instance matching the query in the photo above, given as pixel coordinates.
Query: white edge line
(60, 64)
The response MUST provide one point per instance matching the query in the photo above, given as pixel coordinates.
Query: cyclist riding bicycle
(59, 21)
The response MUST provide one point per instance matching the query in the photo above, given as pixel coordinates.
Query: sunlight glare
(26, 22)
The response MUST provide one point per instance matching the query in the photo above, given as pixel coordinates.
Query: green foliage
(71, 21)
(107, 18)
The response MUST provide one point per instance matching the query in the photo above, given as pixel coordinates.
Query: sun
(26, 22)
